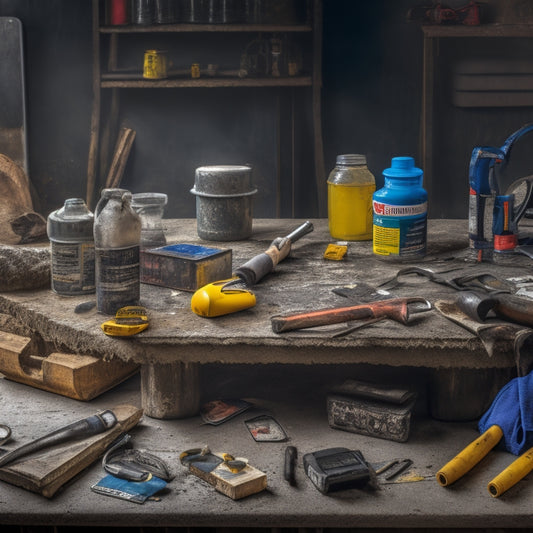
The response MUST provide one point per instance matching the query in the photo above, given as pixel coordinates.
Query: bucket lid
(223, 180)
(403, 167)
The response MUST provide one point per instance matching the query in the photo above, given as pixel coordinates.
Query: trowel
(488, 332)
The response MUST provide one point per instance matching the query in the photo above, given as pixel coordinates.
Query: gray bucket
(224, 195)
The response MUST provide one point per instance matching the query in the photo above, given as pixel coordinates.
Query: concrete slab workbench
(186, 359)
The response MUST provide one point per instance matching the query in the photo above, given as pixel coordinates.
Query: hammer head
(475, 305)
(400, 309)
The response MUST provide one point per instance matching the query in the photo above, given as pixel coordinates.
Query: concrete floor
(301, 410)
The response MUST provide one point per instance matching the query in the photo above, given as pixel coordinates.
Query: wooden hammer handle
(395, 308)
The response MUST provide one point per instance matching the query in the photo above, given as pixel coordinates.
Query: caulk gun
(492, 217)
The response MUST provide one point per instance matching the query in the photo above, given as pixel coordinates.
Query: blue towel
(512, 410)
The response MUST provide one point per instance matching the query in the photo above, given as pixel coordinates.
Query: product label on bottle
(72, 268)
(117, 278)
(480, 215)
(399, 230)
(399, 210)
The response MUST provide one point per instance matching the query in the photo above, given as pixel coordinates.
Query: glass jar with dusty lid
(350, 189)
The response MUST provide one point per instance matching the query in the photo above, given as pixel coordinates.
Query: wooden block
(248, 481)
(81, 377)
(46, 471)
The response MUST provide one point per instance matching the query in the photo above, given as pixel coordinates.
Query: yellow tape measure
(128, 321)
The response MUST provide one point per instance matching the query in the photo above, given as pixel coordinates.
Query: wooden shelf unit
(432, 35)
(115, 80)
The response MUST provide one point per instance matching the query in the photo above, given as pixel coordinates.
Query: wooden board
(248, 481)
(45, 472)
(81, 377)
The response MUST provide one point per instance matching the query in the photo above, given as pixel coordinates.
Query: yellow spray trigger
(221, 298)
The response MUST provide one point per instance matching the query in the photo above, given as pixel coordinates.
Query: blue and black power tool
(492, 216)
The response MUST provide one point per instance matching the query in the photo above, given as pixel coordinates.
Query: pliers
(479, 280)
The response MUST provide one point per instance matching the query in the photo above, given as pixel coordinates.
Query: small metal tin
(371, 410)
(185, 267)
(155, 64)
(224, 196)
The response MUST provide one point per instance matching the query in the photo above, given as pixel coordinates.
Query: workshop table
(178, 343)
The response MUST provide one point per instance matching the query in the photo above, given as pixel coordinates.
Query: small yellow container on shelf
(155, 65)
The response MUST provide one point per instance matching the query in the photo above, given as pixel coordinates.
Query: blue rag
(512, 410)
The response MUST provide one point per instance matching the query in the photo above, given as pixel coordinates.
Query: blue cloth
(512, 410)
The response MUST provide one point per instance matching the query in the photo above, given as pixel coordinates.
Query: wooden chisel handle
(515, 309)
(395, 308)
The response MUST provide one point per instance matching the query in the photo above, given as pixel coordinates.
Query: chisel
(81, 429)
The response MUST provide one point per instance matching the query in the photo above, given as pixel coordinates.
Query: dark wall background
(371, 104)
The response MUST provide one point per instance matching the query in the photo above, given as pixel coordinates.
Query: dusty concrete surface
(300, 407)
(303, 281)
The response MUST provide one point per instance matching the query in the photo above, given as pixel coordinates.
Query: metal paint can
(224, 195)
(155, 64)
(70, 230)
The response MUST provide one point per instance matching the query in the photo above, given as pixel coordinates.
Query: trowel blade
(488, 333)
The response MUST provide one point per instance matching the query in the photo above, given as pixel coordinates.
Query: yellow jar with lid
(350, 189)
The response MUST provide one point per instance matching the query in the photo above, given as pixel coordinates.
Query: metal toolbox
(185, 267)
(372, 410)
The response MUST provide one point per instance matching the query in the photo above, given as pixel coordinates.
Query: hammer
(506, 306)
(399, 309)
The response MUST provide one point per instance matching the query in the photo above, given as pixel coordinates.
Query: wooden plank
(81, 377)
(45, 472)
(95, 112)
(320, 172)
(177, 28)
(169, 83)
(120, 157)
(483, 30)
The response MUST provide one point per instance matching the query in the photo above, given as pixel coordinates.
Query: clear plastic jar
(150, 206)
(350, 189)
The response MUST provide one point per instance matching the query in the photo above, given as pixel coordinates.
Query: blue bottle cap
(403, 167)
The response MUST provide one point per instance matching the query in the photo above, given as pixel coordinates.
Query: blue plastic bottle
(400, 212)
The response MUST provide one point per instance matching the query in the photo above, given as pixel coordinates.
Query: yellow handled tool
(516, 471)
(128, 321)
(232, 295)
(221, 298)
(469, 457)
